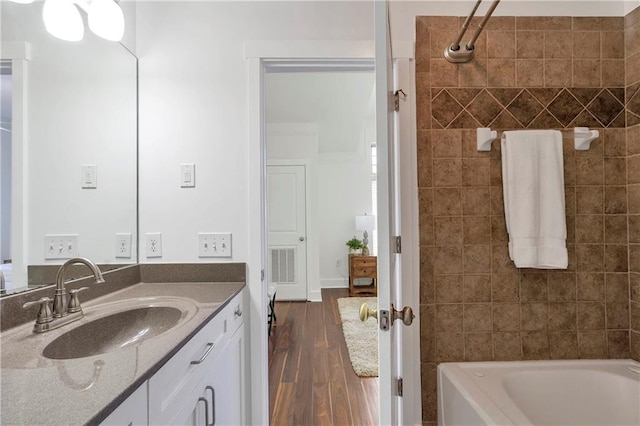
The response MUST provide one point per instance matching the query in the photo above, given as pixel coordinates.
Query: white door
(394, 408)
(286, 227)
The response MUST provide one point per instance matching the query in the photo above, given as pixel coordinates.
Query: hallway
(311, 380)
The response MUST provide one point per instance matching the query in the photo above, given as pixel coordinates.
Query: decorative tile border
(529, 108)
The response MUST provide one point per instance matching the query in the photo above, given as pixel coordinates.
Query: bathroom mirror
(72, 185)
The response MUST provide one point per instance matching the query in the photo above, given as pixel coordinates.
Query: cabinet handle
(213, 405)
(237, 312)
(210, 346)
(206, 411)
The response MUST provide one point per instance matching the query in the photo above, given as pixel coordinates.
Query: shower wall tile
(529, 72)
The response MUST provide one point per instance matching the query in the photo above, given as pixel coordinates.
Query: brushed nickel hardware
(213, 404)
(59, 308)
(396, 99)
(366, 312)
(73, 305)
(206, 410)
(64, 312)
(398, 244)
(237, 313)
(301, 238)
(210, 346)
(405, 315)
(454, 52)
(400, 386)
(44, 313)
(384, 319)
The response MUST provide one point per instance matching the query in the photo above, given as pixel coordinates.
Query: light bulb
(106, 19)
(62, 20)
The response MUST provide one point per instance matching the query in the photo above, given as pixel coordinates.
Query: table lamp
(365, 223)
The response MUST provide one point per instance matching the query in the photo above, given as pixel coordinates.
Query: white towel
(533, 188)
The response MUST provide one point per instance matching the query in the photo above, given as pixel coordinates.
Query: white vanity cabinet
(132, 412)
(203, 383)
(218, 398)
(200, 376)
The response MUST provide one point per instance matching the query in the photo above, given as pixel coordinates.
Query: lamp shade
(62, 20)
(106, 19)
(365, 223)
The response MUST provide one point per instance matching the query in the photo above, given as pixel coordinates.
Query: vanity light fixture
(63, 20)
(106, 19)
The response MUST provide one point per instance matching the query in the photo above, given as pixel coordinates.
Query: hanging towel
(533, 188)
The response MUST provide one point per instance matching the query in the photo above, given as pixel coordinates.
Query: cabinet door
(132, 412)
(227, 383)
(196, 411)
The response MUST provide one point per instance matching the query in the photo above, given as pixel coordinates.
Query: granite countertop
(38, 390)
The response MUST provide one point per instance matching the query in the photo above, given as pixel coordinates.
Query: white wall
(81, 109)
(193, 108)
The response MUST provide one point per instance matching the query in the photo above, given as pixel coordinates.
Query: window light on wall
(63, 20)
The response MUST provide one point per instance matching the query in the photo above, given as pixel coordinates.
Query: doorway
(321, 117)
(6, 85)
(320, 136)
(287, 229)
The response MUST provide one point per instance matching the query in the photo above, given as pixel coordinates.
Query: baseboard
(334, 283)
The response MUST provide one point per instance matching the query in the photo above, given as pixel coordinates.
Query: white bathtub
(577, 392)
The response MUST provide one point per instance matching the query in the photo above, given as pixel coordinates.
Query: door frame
(296, 54)
(309, 224)
(19, 53)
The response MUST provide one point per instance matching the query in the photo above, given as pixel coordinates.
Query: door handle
(301, 238)
(206, 410)
(366, 312)
(213, 405)
(405, 315)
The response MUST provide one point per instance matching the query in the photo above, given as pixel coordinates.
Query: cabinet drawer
(236, 311)
(363, 272)
(363, 262)
(172, 384)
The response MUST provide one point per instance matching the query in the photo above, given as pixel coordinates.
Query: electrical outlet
(123, 245)
(214, 245)
(154, 244)
(60, 246)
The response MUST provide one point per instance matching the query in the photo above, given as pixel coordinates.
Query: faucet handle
(44, 314)
(74, 302)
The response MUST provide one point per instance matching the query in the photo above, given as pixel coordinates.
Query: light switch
(187, 175)
(89, 176)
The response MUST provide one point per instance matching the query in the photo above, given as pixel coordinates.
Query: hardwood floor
(311, 380)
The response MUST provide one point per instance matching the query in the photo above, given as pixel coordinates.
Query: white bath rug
(361, 337)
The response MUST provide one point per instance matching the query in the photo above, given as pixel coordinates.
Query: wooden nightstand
(363, 267)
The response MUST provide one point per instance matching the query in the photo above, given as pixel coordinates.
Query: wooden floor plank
(321, 404)
(311, 380)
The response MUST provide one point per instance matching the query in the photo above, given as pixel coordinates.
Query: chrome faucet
(64, 312)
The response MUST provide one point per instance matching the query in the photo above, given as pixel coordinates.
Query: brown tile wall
(529, 72)
(632, 55)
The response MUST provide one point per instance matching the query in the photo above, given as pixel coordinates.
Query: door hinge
(396, 99)
(400, 385)
(398, 246)
(262, 275)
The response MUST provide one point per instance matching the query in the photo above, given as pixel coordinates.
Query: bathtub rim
(486, 407)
